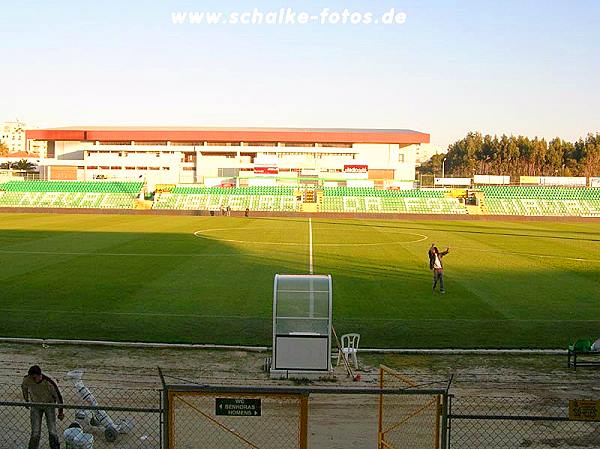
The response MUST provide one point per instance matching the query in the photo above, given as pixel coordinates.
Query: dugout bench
(582, 349)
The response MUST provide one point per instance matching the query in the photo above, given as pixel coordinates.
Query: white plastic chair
(349, 348)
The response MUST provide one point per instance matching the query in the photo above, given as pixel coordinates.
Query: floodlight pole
(443, 167)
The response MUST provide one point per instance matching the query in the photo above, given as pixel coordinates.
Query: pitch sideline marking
(192, 315)
(199, 234)
(546, 256)
(121, 344)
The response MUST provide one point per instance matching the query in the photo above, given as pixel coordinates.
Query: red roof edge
(55, 134)
(233, 135)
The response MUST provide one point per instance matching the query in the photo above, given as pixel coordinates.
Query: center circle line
(199, 234)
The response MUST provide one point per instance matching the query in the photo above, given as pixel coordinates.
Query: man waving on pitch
(435, 264)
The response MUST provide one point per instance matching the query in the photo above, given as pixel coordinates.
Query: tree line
(518, 156)
(21, 165)
(3, 149)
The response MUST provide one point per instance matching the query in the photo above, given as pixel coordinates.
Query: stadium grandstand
(285, 170)
(479, 200)
(541, 200)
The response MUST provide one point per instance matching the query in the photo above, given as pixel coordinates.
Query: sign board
(452, 181)
(264, 170)
(584, 410)
(360, 183)
(529, 180)
(160, 188)
(594, 182)
(356, 168)
(400, 185)
(580, 181)
(237, 407)
(491, 179)
(310, 352)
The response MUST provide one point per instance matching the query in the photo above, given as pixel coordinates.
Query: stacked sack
(75, 438)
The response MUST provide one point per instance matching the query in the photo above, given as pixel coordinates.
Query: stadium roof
(193, 134)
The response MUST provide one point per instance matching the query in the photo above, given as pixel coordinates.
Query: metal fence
(514, 422)
(388, 411)
(135, 415)
(301, 417)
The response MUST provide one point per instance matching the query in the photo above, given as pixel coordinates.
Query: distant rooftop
(22, 154)
(212, 134)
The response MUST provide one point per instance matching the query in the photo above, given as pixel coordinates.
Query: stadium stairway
(309, 207)
(143, 204)
(479, 208)
(310, 200)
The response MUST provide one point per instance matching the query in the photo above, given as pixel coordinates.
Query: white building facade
(210, 156)
(12, 134)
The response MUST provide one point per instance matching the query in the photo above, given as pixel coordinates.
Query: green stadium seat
(70, 194)
(540, 200)
(581, 345)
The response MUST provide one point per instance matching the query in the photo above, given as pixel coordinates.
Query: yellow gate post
(380, 420)
(436, 430)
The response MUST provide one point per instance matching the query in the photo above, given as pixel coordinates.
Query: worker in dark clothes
(38, 387)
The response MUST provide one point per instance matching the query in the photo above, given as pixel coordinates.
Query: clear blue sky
(529, 67)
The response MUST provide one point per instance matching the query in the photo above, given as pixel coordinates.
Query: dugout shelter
(302, 307)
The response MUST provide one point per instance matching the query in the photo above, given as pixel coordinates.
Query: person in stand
(37, 387)
(435, 264)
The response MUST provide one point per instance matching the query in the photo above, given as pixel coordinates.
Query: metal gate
(252, 417)
(210, 418)
(409, 420)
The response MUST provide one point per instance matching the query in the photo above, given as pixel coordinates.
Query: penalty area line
(81, 253)
(140, 314)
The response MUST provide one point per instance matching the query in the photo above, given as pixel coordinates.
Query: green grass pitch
(210, 279)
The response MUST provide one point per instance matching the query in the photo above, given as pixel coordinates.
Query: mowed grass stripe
(475, 293)
(521, 285)
(392, 282)
(496, 296)
(181, 285)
